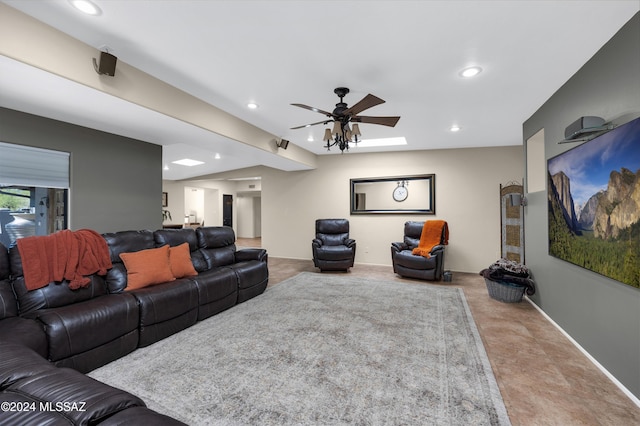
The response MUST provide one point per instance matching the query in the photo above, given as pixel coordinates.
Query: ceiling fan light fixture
(470, 72)
(337, 129)
(345, 131)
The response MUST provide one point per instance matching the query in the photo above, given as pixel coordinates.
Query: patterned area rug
(323, 349)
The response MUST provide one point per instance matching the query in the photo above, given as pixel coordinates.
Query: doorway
(227, 210)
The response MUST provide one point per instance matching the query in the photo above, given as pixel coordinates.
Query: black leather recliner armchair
(333, 250)
(406, 264)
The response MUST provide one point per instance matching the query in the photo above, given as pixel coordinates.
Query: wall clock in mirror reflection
(401, 192)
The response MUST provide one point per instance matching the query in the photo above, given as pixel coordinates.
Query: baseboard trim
(622, 387)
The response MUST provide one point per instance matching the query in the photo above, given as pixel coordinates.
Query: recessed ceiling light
(85, 6)
(252, 105)
(310, 138)
(217, 156)
(470, 72)
(455, 128)
(188, 162)
(166, 167)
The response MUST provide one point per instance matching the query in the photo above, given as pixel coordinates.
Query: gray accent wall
(601, 314)
(116, 182)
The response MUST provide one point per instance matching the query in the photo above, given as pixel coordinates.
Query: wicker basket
(504, 292)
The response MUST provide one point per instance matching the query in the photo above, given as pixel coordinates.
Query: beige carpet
(322, 349)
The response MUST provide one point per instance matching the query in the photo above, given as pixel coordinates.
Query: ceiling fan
(342, 115)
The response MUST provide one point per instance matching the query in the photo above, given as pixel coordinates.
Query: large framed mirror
(394, 195)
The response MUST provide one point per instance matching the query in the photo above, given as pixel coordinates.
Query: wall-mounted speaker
(283, 143)
(107, 64)
(583, 125)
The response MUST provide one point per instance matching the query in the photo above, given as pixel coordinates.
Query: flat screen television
(594, 204)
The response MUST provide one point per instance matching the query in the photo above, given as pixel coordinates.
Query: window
(34, 188)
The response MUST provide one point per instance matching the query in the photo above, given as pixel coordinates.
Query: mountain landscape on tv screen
(594, 205)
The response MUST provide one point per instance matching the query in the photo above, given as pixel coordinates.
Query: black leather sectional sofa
(51, 335)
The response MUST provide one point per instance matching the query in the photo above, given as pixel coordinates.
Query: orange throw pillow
(147, 267)
(180, 261)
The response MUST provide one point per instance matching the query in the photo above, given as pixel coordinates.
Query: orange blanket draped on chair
(64, 255)
(434, 232)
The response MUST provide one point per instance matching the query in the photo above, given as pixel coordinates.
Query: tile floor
(543, 378)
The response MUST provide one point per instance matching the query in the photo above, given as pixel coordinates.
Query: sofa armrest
(316, 242)
(437, 249)
(78, 328)
(349, 242)
(399, 246)
(251, 254)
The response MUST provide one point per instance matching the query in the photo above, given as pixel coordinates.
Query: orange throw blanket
(65, 255)
(434, 232)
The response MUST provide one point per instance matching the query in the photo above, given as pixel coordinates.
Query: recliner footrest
(253, 277)
(78, 328)
(166, 309)
(217, 291)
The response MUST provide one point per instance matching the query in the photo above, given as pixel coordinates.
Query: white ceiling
(275, 53)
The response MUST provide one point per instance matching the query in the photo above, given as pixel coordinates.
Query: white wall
(248, 207)
(467, 197)
(257, 217)
(212, 216)
(205, 197)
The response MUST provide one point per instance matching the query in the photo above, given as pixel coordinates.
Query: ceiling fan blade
(384, 121)
(366, 103)
(312, 124)
(328, 114)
